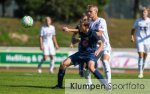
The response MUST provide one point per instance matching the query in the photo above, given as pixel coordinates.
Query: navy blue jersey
(87, 47)
(88, 42)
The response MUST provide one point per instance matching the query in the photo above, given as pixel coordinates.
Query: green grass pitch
(35, 83)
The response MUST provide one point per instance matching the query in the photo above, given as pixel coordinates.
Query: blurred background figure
(47, 42)
(142, 28)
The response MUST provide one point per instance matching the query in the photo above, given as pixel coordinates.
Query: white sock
(143, 64)
(107, 70)
(140, 65)
(52, 63)
(87, 76)
(40, 64)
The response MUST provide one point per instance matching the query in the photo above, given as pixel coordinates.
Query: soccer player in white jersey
(99, 25)
(142, 28)
(47, 42)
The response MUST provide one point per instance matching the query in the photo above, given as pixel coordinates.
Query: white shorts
(49, 50)
(108, 52)
(141, 47)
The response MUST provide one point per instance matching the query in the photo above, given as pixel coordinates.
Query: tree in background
(29, 7)
(2, 2)
(102, 4)
(62, 10)
(136, 8)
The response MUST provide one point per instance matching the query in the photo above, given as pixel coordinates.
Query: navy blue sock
(61, 74)
(97, 74)
(81, 69)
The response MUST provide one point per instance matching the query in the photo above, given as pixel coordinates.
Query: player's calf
(40, 65)
(107, 70)
(66, 63)
(97, 74)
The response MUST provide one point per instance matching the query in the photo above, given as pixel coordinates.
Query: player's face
(48, 21)
(85, 21)
(85, 18)
(92, 13)
(145, 14)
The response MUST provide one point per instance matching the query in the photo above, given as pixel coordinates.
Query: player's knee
(52, 57)
(92, 69)
(65, 63)
(44, 57)
(105, 57)
(62, 65)
(141, 55)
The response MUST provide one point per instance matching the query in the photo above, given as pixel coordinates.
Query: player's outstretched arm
(132, 35)
(66, 29)
(100, 43)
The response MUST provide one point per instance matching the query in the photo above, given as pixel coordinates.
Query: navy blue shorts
(79, 58)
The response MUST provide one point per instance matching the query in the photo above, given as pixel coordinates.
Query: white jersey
(100, 24)
(143, 30)
(47, 33)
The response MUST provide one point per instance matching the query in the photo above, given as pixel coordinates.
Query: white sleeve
(102, 25)
(54, 32)
(41, 31)
(135, 24)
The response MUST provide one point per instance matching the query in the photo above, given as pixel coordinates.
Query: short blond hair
(47, 17)
(144, 9)
(93, 6)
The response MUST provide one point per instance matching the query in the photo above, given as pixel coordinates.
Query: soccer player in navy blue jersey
(86, 54)
(99, 25)
(76, 39)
